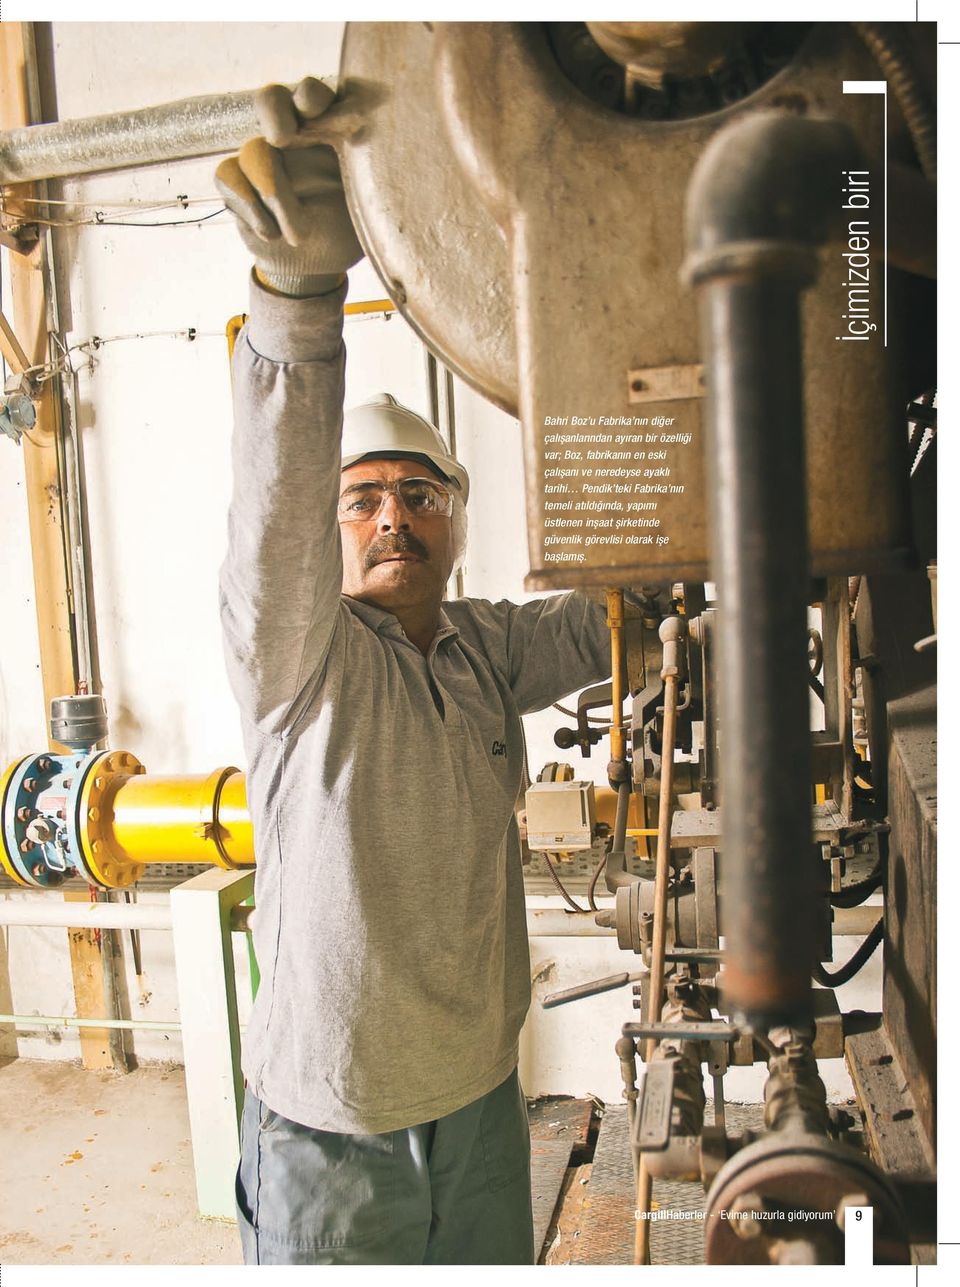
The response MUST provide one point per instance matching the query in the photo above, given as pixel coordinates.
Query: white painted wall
(155, 424)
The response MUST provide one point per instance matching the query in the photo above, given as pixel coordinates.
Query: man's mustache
(385, 546)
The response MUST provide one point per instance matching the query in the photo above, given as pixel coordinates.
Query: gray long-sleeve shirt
(390, 928)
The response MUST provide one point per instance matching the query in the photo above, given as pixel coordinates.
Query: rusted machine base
(599, 1219)
(595, 1213)
(894, 1135)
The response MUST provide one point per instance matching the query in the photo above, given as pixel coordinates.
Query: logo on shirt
(499, 748)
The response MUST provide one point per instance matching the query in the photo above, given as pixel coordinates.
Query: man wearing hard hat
(383, 1121)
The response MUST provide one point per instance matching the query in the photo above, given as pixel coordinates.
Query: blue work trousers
(455, 1191)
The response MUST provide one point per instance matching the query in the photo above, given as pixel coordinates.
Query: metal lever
(714, 1030)
(593, 988)
(694, 955)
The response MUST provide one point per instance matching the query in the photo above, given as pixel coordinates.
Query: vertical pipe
(618, 770)
(759, 540)
(641, 1236)
(433, 391)
(77, 558)
(450, 431)
(432, 369)
(615, 625)
(671, 631)
(845, 672)
(44, 486)
(762, 196)
(662, 881)
(41, 449)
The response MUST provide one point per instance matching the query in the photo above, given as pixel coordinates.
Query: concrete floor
(104, 1169)
(98, 1170)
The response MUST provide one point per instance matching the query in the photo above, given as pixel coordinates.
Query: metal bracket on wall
(665, 383)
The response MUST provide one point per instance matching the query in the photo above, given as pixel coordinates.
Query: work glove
(288, 198)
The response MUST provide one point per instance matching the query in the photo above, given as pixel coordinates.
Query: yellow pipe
(370, 306)
(182, 819)
(5, 862)
(131, 818)
(234, 817)
(606, 809)
(235, 325)
(128, 819)
(615, 623)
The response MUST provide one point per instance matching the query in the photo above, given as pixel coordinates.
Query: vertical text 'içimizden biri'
(856, 194)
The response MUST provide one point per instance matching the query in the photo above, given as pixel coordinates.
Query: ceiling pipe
(207, 125)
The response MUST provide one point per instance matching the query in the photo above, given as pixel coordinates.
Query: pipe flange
(628, 911)
(36, 848)
(788, 1187)
(92, 819)
(210, 827)
(10, 786)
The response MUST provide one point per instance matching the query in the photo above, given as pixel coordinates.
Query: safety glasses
(419, 497)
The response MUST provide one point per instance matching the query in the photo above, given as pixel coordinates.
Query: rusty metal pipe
(641, 1238)
(762, 197)
(657, 957)
(662, 879)
(672, 630)
(680, 1160)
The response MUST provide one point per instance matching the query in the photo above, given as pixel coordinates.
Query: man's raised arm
(280, 581)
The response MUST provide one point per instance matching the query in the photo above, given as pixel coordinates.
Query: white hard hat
(382, 427)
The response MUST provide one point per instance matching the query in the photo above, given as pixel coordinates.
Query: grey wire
(591, 719)
(109, 223)
(575, 906)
